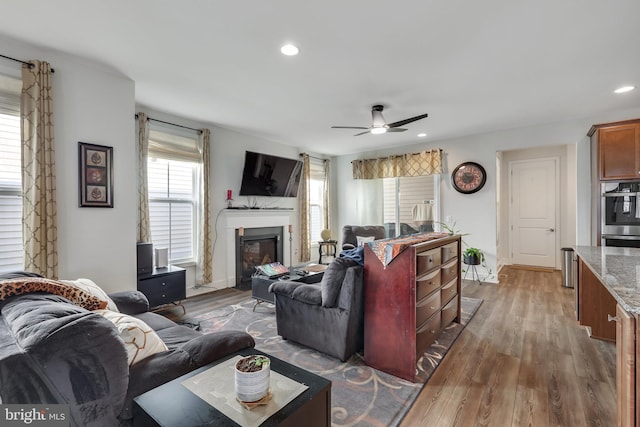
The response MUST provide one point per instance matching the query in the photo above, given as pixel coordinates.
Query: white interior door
(533, 196)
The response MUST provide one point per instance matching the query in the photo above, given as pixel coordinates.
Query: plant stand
(474, 273)
(471, 262)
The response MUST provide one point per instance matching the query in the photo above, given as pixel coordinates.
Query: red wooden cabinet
(408, 303)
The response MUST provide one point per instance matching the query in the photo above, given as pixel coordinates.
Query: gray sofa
(350, 234)
(326, 316)
(52, 351)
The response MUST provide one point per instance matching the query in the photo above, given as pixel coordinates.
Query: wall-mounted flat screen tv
(267, 175)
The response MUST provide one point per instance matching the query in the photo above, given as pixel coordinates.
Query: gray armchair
(350, 234)
(326, 316)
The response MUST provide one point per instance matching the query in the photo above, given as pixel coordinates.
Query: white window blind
(11, 247)
(402, 194)
(316, 199)
(172, 170)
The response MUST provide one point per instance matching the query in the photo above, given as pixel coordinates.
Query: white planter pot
(252, 386)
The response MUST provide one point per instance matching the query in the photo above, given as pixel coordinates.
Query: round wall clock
(468, 177)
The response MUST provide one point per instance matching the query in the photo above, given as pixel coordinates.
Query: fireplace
(256, 246)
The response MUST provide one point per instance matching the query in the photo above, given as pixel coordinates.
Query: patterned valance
(412, 164)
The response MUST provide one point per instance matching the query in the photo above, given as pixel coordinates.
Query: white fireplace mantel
(232, 219)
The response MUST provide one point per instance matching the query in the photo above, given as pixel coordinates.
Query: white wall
(227, 161)
(91, 104)
(476, 213)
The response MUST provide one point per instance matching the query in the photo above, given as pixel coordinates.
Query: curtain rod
(173, 124)
(313, 157)
(22, 62)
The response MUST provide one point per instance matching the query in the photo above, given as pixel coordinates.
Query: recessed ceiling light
(289, 50)
(624, 89)
(422, 135)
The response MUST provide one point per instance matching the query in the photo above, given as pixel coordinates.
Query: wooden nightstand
(163, 285)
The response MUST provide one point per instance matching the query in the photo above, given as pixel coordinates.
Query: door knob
(552, 230)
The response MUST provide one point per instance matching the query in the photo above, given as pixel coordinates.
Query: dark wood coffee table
(173, 405)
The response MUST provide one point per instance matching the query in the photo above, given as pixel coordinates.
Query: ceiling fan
(379, 125)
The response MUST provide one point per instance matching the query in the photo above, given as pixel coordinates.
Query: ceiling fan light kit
(379, 125)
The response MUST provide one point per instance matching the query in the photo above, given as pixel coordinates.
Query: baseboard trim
(532, 268)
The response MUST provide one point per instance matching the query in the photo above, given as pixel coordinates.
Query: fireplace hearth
(254, 247)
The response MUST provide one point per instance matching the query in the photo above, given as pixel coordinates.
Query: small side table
(327, 248)
(163, 286)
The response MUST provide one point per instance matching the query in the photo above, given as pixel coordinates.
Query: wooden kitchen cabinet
(596, 304)
(626, 354)
(618, 147)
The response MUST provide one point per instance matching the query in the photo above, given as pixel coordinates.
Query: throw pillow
(139, 339)
(332, 280)
(90, 287)
(25, 285)
(364, 239)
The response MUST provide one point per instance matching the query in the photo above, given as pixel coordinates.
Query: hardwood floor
(523, 360)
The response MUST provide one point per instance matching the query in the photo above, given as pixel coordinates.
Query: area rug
(360, 395)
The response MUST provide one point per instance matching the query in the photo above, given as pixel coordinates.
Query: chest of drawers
(409, 303)
(163, 285)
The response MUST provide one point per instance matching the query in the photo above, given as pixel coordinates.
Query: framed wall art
(96, 175)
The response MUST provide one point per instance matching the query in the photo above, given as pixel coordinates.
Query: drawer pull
(164, 296)
(432, 308)
(611, 318)
(164, 284)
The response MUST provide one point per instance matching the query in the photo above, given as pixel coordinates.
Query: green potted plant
(252, 374)
(473, 256)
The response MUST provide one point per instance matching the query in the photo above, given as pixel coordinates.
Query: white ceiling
(474, 66)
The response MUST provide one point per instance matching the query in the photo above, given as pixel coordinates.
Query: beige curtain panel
(204, 269)
(144, 227)
(327, 198)
(303, 197)
(39, 218)
(413, 164)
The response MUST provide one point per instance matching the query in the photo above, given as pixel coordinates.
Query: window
(11, 246)
(401, 195)
(316, 199)
(173, 168)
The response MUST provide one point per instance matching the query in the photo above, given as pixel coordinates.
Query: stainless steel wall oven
(620, 215)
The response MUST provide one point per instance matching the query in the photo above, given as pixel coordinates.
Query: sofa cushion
(309, 294)
(90, 287)
(130, 302)
(55, 352)
(140, 340)
(284, 287)
(27, 285)
(364, 239)
(332, 280)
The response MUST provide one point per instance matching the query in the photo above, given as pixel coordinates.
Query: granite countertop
(618, 269)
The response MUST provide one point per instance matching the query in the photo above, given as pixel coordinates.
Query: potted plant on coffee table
(252, 374)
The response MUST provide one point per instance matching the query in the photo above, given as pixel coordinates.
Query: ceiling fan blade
(407, 121)
(361, 133)
(396, 130)
(348, 127)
